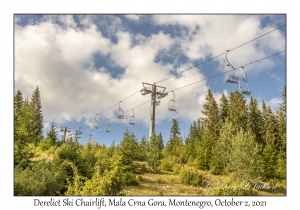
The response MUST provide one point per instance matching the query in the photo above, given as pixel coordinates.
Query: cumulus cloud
(58, 55)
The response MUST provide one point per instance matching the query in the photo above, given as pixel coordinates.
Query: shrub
(191, 177)
(166, 166)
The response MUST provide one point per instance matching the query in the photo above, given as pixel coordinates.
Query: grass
(168, 184)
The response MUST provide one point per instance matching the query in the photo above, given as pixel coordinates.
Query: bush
(166, 166)
(130, 179)
(191, 177)
(42, 179)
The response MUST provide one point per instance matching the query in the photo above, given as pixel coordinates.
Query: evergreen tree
(128, 147)
(245, 161)
(255, 120)
(204, 151)
(142, 148)
(281, 119)
(237, 110)
(52, 134)
(161, 141)
(271, 130)
(37, 114)
(154, 152)
(174, 141)
(269, 163)
(222, 150)
(175, 130)
(224, 107)
(212, 120)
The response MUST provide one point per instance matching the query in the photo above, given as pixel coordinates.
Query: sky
(86, 64)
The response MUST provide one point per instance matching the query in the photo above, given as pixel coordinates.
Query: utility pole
(65, 130)
(156, 92)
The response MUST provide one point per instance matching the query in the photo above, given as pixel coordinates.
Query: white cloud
(134, 18)
(59, 59)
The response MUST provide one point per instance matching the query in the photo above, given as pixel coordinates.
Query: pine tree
(237, 110)
(222, 150)
(128, 147)
(52, 134)
(37, 114)
(174, 141)
(271, 130)
(154, 152)
(204, 152)
(245, 161)
(269, 163)
(142, 148)
(281, 119)
(212, 120)
(255, 120)
(224, 107)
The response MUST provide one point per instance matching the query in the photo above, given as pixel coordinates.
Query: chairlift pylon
(231, 76)
(132, 118)
(107, 128)
(120, 112)
(172, 104)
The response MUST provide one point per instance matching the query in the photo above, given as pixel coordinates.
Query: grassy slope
(168, 184)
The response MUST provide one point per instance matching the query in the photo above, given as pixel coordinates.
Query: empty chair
(96, 123)
(243, 84)
(172, 104)
(79, 130)
(231, 76)
(120, 112)
(107, 128)
(132, 118)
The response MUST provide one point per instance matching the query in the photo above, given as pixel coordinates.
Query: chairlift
(96, 123)
(231, 76)
(107, 128)
(79, 130)
(172, 104)
(132, 118)
(244, 82)
(120, 112)
(91, 133)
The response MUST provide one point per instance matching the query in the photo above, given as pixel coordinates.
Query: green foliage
(203, 158)
(128, 148)
(281, 166)
(245, 159)
(221, 151)
(130, 179)
(238, 112)
(212, 121)
(269, 163)
(154, 152)
(39, 180)
(165, 165)
(191, 177)
(70, 152)
(52, 134)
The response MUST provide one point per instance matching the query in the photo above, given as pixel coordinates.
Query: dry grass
(168, 184)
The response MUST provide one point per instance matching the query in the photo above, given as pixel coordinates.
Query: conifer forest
(234, 143)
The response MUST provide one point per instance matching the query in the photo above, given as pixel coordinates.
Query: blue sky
(84, 64)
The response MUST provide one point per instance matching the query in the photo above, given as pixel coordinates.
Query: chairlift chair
(107, 128)
(120, 112)
(244, 82)
(231, 76)
(132, 118)
(172, 104)
(96, 124)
